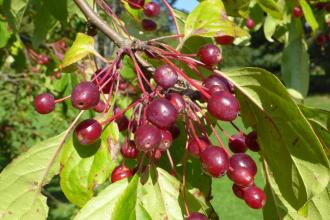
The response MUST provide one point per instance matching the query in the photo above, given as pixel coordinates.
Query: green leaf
(58, 9)
(84, 168)
(102, 206)
(319, 207)
(295, 60)
(271, 7)
(43, 22)
(288, 144)
(309, 15)
(81, 47)
(209, 19)
(20, 195)
(4, 34)
(127, 71)
(14, 11)
(237, 8)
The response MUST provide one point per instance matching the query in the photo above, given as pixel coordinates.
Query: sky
(188, 5)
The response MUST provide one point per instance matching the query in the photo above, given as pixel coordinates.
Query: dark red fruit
(214, 161)
(241, 176)
(88, 131)
(217, 82)
(321, 39)
(251, 141)
(297, 12)
(85, 95)
(320, 5)
(327, 8)
(242, 160)
(177, 101)
(43, 59)
(223, 106)
(162, 113)
(250, 23)
(129, 150)
(255, 197)
(167, 140)
(151, 9)
(210, 54)
(101, 79)
(122, 121)
(237, 143)
(196, 216)
(238, 191)
(148, 25)
(136, 4)
(157, 154)
(147, 137)
(195, 149)
(120, 172)
(44, 103)
(225, 39)
(100, 107)
(165, 76)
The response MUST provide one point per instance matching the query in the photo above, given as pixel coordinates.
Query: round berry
(148, 25)
(210, 54)
(321, 39)
(120, 172)
(129, 150)
(101, 79)
(237, 143)
(151, 9)
(100, 107)
(217, 82)
(251, 141)
(88, 131)
(250, 23)
(225, 39)
(162, 113)
(167, 140)
(177, 101)
(223, 106)
(241, 176)
(136, 4)
(238, 191)
(147, 137)
(165, 76)
(297, 12)
(242, 160)
(214, 161)
(195, 149)
(85, 95)
(44, 103)
(196, 216)
(254, 197)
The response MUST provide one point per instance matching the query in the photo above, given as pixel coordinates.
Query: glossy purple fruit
(255, 197)
(136, 4)
(214, 161)
(165, 76)
(167, 139)
(129, 150)
(241, 176)
(177, 101)
(44, 103)
(147, 137)
(151, 9)
(225, 40)
(223, 106)
(120, 172)
(217, 82)
(196, 216)
(85, 95)
(148, 25)
(242, 160)
(210, 54)
(238, 191)
(100, 107)
(88, 131)
(251, 141)
(237, 143)
(195, 149)
(162, 113)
